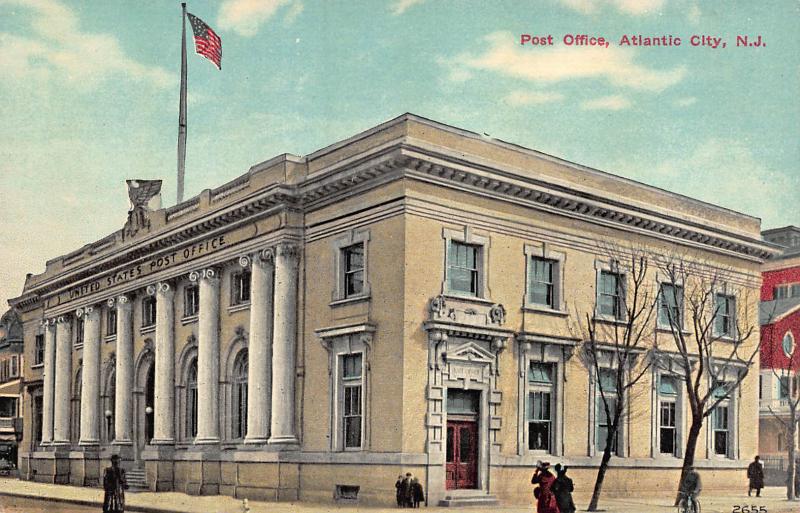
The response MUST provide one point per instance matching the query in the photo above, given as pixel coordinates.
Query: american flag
(206, 42)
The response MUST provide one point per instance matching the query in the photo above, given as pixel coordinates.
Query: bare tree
(710, 341)
(784, 362)
(615, 349)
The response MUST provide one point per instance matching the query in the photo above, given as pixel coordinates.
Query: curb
(86, 502)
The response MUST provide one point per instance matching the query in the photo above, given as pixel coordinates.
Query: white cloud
(245, 17)
(400, 6)
(693, 14)
(59, 49)
(686, 101)
(614, 102)
(632, 7)
(723, 172)
(520, 98)
(614, 64)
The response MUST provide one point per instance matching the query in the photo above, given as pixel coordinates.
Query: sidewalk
(170, 502)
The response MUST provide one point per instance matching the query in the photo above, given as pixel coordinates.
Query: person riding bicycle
(690, 489)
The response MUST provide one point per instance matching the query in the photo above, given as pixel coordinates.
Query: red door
(461, 467)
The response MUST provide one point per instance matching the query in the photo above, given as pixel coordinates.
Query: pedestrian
(755, 473)
(114, 485)
(399, 490)
(546, 501)
(417, 492)
(408, 495)
(562, 489)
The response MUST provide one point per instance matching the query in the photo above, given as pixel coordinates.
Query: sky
(89, 97)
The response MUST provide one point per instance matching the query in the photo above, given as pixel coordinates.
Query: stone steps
(462, 500)
(137, 480)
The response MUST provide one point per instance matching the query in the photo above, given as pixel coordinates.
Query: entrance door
(461, 467)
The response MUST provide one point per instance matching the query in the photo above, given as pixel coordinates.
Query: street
(20, 505)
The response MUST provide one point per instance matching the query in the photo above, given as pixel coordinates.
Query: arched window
(191, 400)
(109, 407)
(239, 398)
(788, 344)
(76, 409)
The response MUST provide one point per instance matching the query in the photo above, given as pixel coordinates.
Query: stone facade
(322, 322)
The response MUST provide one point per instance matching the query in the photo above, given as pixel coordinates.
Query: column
(63, 365)
(123, 390)
(284, 324)
(49, 375)
(90, 377)
(259, 348)
(164, 408)
(207, 357)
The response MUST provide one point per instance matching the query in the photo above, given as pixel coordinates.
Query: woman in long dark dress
(546, 501)
(114, 485)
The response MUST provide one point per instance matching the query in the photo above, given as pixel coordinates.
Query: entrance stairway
(137, 480)
(467, 498)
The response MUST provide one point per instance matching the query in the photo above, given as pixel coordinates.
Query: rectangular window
(111, 321)
(191, 300)
(725, 307)
(668, 427)
(148, 311)
(608, 383)
(38, 409)
(351, 398)
(80, 322)
(794, 290)
(38, 350)
(540, 406)
(780, 292)
(8, 407)
(783, 388)
(610, 297)
(541, 286)
(240, 288)
(353, 261)
(463, 272)
(670, 306)
(721, 431)
(14, 367)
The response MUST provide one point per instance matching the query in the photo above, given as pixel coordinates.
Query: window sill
(37, 366)
(239, 307)
(544, 310)
(723, 338)
(77, 345)
(349, 300)
(466, 297)
(668, 330)
(144, 330)
(188, 319)
(609, 320)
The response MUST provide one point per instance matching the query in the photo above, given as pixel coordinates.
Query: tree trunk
(790, 443)
(688, 454)
(601, 475)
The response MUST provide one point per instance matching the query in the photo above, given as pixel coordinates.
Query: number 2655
(748, 509)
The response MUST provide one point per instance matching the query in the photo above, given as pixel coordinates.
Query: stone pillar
(63, 380)
(123, 390)
(49, 376)
(164, 408)
(259, 347)
(284, 324)
(207, 357)
(90, 377)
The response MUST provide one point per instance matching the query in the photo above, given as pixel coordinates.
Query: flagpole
(182, 110)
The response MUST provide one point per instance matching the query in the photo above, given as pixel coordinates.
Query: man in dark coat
(755, 473)
(114, 484)
(408, 494)
(399, 490)
(562, 489)
(417, 492)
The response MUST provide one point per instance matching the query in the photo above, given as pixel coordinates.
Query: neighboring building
(405, 300)
(11, 345)
(780, 334)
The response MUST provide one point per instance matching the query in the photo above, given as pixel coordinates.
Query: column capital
(119, 301)
(288, 251)
(245, 261)
(266, 256)
(63, 319)
(209, 273)
(85, 311)
(162, 287)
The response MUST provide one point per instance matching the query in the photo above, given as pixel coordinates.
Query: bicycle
(688, 503)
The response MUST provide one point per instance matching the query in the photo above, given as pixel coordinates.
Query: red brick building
(780, 335)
